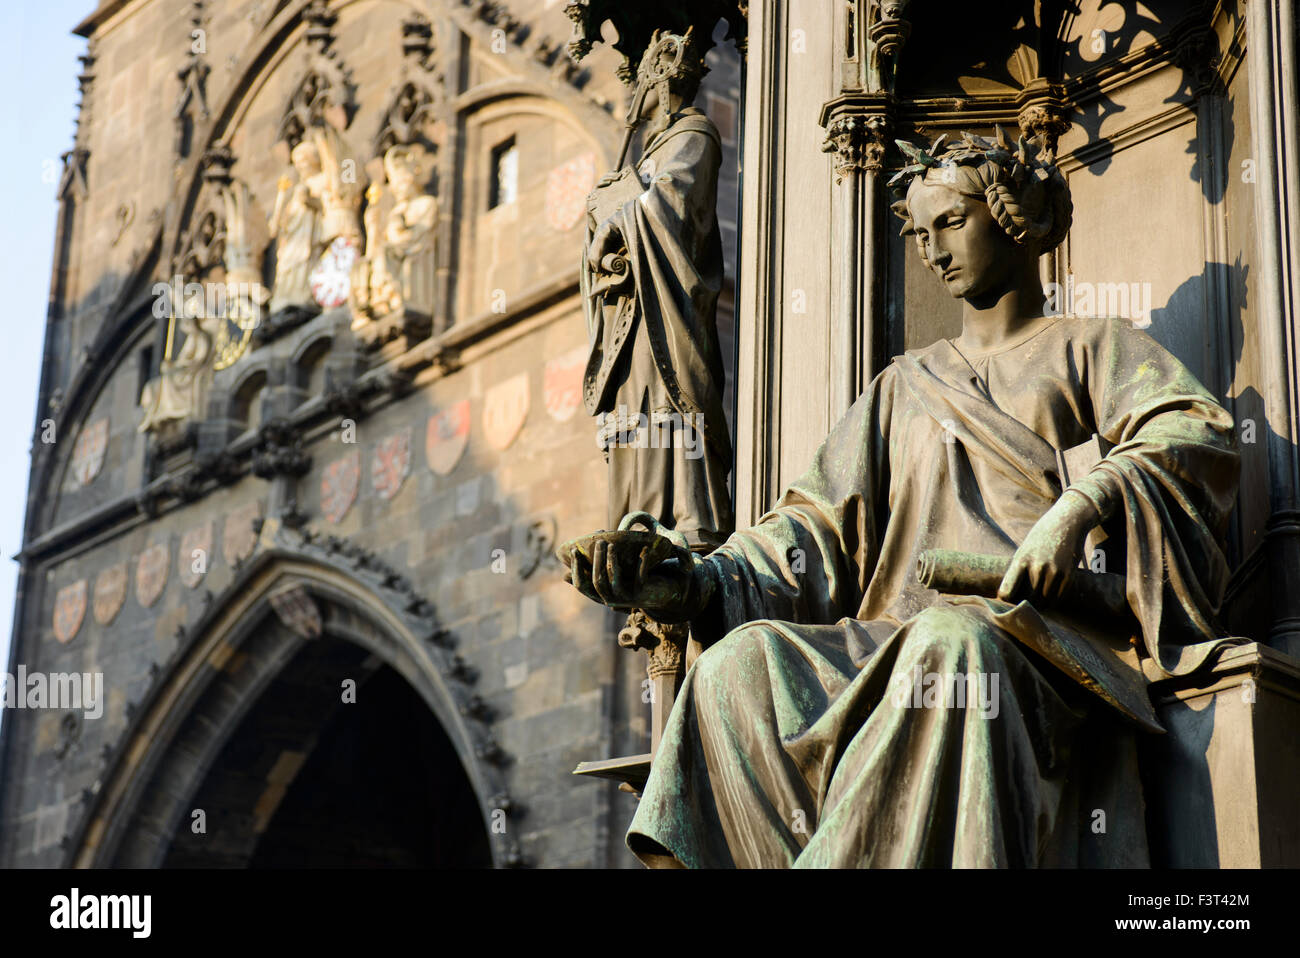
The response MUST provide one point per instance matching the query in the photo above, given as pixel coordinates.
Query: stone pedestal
(1223, 787)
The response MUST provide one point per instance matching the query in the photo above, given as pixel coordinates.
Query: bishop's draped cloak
(797, 739)
(654, 341)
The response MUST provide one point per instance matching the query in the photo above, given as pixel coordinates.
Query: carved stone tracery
(887, 31)
(417, 106)
(324, 91)
(193, 77)
(636, 26)
(414, 110)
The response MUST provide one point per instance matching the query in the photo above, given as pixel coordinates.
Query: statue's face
(966, 247)
(653, 115)
(305, 160)
(400, 172)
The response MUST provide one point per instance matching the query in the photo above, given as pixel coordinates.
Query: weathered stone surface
(429, 544)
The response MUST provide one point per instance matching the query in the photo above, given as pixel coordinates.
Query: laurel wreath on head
(1026, 193)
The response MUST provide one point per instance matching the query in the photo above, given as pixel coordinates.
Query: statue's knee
(733, 656)
(945, 637)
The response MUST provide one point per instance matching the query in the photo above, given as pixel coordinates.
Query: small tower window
(505, 174)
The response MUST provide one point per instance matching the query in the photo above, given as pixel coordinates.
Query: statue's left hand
(1043, 565)
(605, 240)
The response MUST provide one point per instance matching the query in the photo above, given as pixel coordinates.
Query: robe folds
(655, 375)
(806, 734)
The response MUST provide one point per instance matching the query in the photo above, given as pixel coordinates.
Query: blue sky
(38, 71)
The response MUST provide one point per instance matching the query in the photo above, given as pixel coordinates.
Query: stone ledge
(1266, 666)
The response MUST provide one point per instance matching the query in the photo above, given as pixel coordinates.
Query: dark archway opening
(308, 781)
(382, 789)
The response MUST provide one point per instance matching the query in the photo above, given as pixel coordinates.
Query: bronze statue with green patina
(848, 711)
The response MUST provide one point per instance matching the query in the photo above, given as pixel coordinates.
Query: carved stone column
(857, 128)
(666, 648)
(1270, 50)
(870, 36)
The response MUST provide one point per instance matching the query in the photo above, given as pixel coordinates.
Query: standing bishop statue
(651, 273)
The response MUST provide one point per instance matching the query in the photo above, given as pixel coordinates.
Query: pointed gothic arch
(287, 597)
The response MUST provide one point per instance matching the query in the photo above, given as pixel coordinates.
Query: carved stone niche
(215, 297)
(413, 116)
(393, 286)
(313, 220)
(324, 91)
(393, 298)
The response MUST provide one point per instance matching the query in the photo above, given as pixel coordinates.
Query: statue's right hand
(630, 569)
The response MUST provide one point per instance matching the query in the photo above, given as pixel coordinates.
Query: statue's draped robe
(409, 251)
(797, 740)
(297, 246)
(655, 349)
(180, 389)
